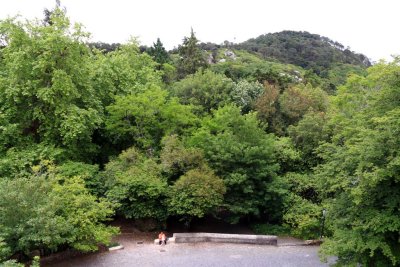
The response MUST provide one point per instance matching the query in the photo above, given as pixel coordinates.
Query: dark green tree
(158, 52)
(191, 56)
(242, 154)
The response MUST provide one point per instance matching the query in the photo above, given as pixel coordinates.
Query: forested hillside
(255, 132)
(303, 49)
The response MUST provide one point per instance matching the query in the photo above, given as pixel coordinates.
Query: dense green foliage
(195, 193)
(144, 118)
(360, 173)
(159, 53)
(136, 186)
(90, 131)
(44, 210)
(204, 89)
(192, 57)
(45, 87)
(303, 49)
(243, 155)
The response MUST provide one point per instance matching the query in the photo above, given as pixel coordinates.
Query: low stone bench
(224, 238)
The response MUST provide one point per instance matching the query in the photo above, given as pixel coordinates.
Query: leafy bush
(243, 156)
(271, 229)
(195, 193)
(205, 89)
(303, 218)
(45, 211)
(136, 186)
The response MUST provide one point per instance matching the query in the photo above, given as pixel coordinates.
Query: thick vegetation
(303, 49)
(93, 131)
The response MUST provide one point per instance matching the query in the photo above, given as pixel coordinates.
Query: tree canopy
(269, 132)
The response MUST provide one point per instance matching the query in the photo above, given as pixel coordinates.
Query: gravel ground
(144, 253)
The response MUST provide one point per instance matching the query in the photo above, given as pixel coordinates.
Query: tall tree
(360, 175)
(158, 52)
(191, 56)
(242, 154)
(45, 83)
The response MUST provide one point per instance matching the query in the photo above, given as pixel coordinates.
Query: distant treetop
(310, 51)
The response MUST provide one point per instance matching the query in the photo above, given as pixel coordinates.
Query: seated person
(162, 238)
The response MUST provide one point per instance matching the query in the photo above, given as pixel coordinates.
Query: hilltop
(310, 51)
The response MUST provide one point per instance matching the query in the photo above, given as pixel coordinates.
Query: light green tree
(204, 89)
(195, 194)
(46, 93)
(123, 72)
(360, 174)
(46, 211)
(143, 119)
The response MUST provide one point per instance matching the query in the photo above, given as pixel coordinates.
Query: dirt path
(139, 250)
(143, 253)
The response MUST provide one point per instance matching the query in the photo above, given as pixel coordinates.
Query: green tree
(242, 154)
(46, 211)
(18, 161)
(191, 56)
(45, 84)
(143, 119)
(176, 159)
(158, 52)
(307, 135)
(296, 101)
(123, 72)
(303, 210)
(267, 107)
(195, 193)
(204, 89)
(359, 176)
(136, 186)
(87, 172)
(244, 94)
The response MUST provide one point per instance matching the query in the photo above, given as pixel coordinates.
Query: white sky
(370, 27)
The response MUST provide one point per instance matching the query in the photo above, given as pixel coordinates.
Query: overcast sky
(370, 27)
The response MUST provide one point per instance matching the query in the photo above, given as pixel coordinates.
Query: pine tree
(191, 56)
(158, 52)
